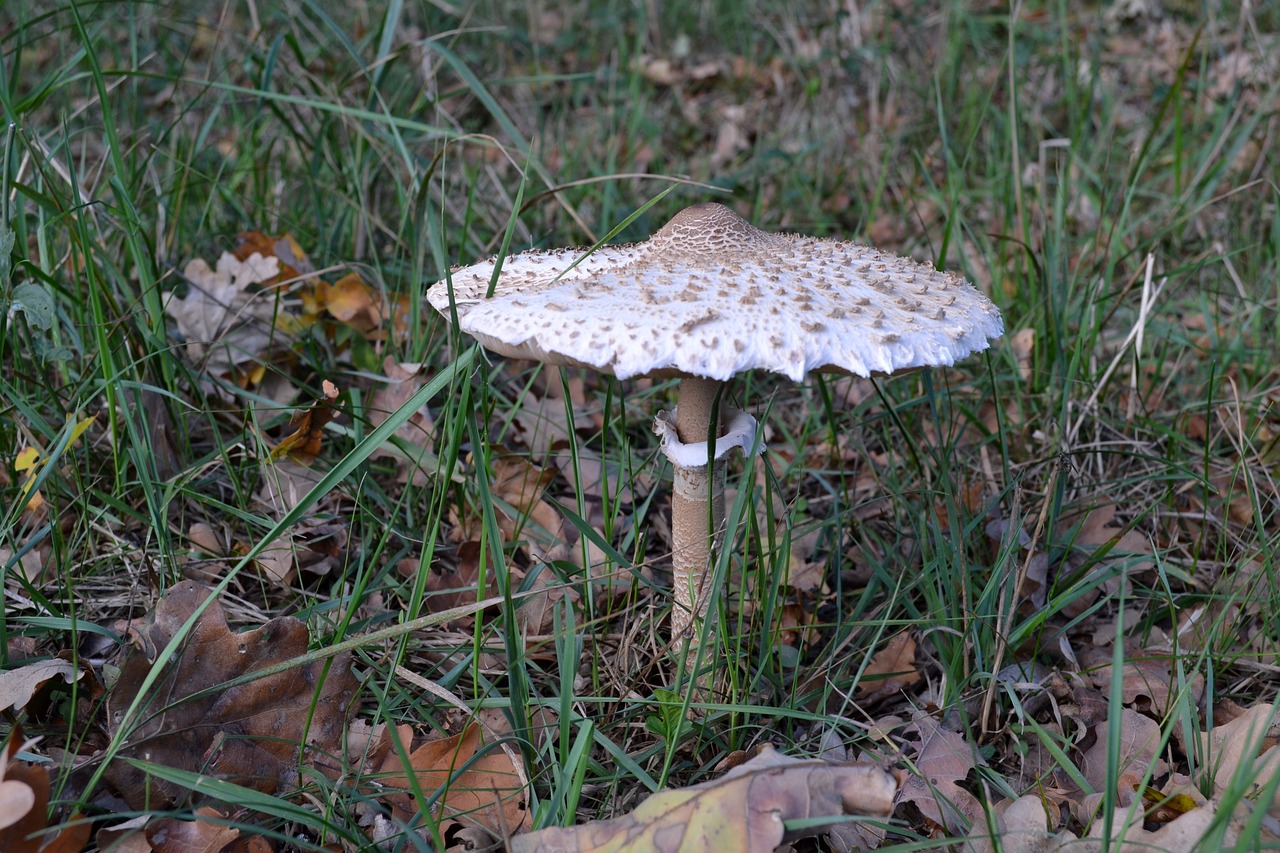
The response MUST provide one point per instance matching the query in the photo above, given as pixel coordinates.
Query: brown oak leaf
(942, 759)
(250, 733)
(1139, 750)
(891, 670)
(477, 785)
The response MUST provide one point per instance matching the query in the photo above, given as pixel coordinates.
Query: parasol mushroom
(710, 296)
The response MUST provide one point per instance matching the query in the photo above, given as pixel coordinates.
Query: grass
(1110, 182)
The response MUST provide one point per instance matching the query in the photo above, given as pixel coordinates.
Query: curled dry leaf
(743, 810)
(207, 833)
(477, 784)
(303, 444)
(24, 806)
(17, 686)
(251, 733)
(1163, 807)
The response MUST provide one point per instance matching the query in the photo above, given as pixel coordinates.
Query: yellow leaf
(80, 427)
(352, 301)
(26, 459)
(37, 500)
(30, 460)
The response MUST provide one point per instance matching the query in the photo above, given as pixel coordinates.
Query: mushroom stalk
(696, 401)
(697, 498)
(697, 510)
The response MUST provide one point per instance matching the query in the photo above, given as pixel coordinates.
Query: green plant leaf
(669, 720)
(34, 301)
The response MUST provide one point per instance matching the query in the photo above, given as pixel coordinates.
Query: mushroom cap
(711, 295)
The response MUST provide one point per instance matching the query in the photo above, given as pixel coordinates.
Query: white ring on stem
(740, 432)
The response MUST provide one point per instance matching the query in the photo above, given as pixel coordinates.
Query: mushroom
(710, 296)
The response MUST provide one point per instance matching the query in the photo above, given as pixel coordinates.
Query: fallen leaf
(1085, 710)
(24, 806)
(284, 483)
(795, 625)
(891, 670)
(207, 833)
(1162, 807)
(250, 733)
(1147, 680)
(600, 483)
(205, 539)
(1096, 531)
(1026, 826)
(17, 799)
(317, 543)
(732, 135)
(476, 786)
(448, 586)
(17, 686)
(129, 836)
(293, 261)
(225, 324)
(1139, 742)
(543, 423)
(1128, 835)
(743, 810)
(1244, 750)
(26, 463)
(415, 462)
(352, 301)
(30, 462)
(367, 745)
(942, 758)
(349, 298)
(304, 443)
(520, 484)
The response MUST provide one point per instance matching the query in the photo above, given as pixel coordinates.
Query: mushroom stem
(697, 498)
(697, 509)
(697, 399)
(697, 519)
